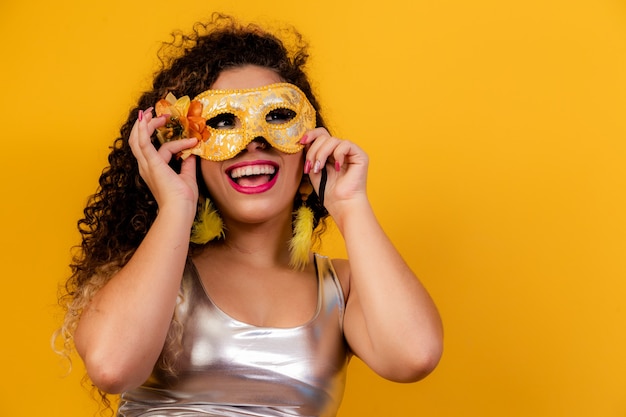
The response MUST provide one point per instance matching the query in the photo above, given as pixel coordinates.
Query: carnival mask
(226, 121)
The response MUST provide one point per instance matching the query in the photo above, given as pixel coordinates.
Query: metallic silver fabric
(231, 369)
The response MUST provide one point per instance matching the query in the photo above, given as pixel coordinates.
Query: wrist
(355, 211)
(182, 213)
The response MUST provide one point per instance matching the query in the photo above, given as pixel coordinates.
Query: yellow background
(496, 131)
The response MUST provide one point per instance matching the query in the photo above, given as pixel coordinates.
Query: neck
(264, 244)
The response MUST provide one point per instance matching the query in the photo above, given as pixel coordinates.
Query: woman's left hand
(346, 165)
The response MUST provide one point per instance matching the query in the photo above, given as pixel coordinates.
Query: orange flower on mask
(184, 119)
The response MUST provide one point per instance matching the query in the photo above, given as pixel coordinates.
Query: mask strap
(322, 186)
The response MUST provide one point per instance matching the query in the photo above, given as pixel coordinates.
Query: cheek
(295, 164)
(211, 173)
(296, 171)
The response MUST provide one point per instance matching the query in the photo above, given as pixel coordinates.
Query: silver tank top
(228, 368)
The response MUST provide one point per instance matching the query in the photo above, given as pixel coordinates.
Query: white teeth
(252, 170)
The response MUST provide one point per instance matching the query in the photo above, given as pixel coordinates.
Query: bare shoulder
(342, 268)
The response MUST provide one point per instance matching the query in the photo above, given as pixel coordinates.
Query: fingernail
(140, 116)
(337, 166)
(316, 168)
(307, 166)
(303, 140)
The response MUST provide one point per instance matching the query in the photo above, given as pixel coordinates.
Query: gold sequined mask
(280, 113)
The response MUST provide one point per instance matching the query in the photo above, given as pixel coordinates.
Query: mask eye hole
(280, 116)
(223, 121)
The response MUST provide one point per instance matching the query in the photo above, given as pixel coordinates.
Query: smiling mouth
(252, 175)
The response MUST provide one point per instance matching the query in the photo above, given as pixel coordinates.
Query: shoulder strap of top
(331, 292)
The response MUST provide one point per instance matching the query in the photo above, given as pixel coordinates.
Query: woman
(245, 319)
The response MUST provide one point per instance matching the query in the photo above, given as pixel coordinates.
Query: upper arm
(391, 357)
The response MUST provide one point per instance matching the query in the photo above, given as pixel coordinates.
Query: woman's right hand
(167, 186)
(137, 303)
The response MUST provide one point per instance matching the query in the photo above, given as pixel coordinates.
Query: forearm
(121, 333)
(393, 321)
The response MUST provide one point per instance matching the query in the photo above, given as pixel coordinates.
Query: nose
(257, 144)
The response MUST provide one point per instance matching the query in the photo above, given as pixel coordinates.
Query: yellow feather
(208, 224)
(300, 243)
